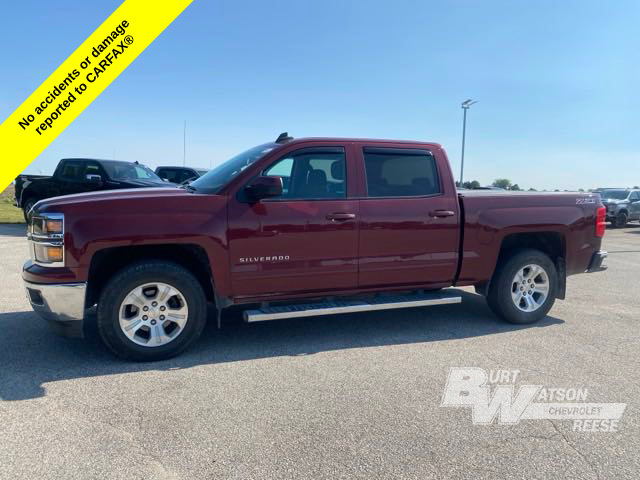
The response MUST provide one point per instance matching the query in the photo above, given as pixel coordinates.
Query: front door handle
(341, 217)
(442, 213)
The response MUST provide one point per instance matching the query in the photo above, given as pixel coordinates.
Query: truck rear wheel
(524, 287)
(151, 310)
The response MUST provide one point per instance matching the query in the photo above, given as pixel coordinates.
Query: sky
(556, 82)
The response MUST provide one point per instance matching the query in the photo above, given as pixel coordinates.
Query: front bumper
(613, 211)
(62, 305)
(597, 261)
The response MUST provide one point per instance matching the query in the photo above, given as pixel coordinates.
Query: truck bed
(490, 217)
(22, 181)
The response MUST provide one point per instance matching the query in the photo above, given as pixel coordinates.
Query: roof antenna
(284, 138)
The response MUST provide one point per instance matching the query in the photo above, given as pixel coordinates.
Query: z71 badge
(585, 201)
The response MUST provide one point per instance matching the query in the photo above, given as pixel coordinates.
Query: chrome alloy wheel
(530, 288)
(153, 314)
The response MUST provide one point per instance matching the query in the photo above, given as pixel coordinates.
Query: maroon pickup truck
(297, 228)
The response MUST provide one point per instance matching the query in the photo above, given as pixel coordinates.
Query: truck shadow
(33, 356)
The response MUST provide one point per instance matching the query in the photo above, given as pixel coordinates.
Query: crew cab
(300, 228)
(78, 175)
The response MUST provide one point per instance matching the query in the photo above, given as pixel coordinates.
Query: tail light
(601, 217)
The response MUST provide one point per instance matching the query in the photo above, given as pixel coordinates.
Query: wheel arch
(23, 201)
(26, 196)
(106, 262)
(551, 243)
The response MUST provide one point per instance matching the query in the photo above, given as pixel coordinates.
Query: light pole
(184, 144)
(465, 106)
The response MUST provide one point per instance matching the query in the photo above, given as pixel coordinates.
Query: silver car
(623, 205)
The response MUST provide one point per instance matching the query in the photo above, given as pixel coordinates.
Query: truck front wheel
(524, 287)
(621, 220)
(151, 310)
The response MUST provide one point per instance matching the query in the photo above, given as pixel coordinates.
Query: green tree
(502, 183)
(515, 187)
(471, 185)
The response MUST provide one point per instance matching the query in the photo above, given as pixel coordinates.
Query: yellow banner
(80, 79)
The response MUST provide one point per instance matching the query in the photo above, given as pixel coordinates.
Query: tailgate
(18, 188)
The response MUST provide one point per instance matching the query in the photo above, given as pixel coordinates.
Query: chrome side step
(383, 302)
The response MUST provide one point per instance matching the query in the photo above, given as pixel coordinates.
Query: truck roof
(180, 166)
(96, 160)
(360, 140)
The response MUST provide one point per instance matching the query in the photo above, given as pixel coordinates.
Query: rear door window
(72, 171)
(175, 175)
(399, 172)
(184, 175)
(93, 168)
(167, 173)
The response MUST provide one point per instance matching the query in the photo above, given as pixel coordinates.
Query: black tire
(621, 220)
(27, 206)
(500, 291)
(123, 282)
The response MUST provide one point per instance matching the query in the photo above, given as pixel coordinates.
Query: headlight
(47, 225)
(46, 239)
(53, 226)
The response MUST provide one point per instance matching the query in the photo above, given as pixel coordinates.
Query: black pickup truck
(80, 175)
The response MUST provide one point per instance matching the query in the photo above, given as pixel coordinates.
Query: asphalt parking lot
(354, 396)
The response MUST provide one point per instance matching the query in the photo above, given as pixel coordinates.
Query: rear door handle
(341, 217)
(442, 213)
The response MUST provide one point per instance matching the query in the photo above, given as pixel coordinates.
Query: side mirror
(95, 179)
(264, 187)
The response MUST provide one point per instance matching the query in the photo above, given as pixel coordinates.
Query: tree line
(503, 183)
(506, 184)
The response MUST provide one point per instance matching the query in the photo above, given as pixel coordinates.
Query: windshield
(129, 171)
(614, 194)
(217, 178)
